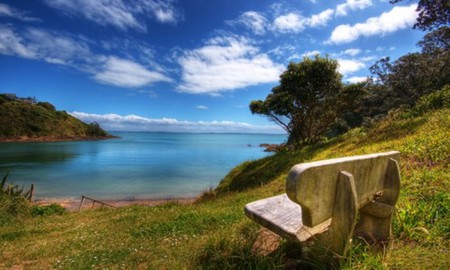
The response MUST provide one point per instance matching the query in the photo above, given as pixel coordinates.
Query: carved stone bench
(324, 197)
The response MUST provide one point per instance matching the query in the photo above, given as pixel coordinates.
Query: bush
(13, 202)
(437, 100)
(47, 210)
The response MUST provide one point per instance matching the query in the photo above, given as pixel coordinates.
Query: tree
(415, 74)
(305, 101)
(432, 13)
(437, 41)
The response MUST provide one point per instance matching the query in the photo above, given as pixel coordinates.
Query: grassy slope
(215, 233)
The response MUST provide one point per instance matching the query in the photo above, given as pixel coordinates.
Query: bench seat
(284, 217)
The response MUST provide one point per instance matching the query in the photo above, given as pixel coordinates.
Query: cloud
(117, 122)
(57, 48)
(347, 66)
(225, 64)
(352, 52)
(320, 19)
(201, 107)
(399, 17)
(305, 54)
(343, 9)
(310, 53)
(163, 10)
(7, 11)
(254, 21)
(126, 73)
(13, 44)
(356, 79)
(42, 45)
(118, 13)
(291, 22)
(295, 23)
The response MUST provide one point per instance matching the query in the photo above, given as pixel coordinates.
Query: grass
(213, 233)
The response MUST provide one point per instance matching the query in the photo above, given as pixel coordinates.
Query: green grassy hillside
(21, 121)
(214, 233)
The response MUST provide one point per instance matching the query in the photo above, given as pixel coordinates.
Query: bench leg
(344, 215)
(336, 240)
(375, 218)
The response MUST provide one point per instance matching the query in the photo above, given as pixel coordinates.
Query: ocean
(139, 165)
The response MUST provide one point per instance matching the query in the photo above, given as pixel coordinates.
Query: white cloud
(225, 64)
(118, 13)
(352, 52)
(356, 79)
(347, 66)
(201, 107)
(399, 17)
(291, 22)
(343, 9)
(7, 11)
(320, 19)
(117, 122)
(254, 21)
(56, 48)
(45, 46)
(163, 10)
(296, 23)
(310, 53)
(126, 73)
(13, 44)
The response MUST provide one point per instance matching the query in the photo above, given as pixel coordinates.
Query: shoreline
(72, 204)
(25, 139)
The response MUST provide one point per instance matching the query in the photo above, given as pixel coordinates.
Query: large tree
(305, 102)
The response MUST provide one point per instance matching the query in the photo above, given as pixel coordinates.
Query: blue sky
(186, 65)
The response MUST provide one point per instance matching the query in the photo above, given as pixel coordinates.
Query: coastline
(72, 204)
(25, 139)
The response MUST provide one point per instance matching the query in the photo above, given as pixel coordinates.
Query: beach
(73, 204)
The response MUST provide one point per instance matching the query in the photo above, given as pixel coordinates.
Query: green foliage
(13, 190)
(434, 101)
(417, 219)
(14, 201)
(47, 106)
(411, 76)
(47, 210)
(22, 120)
(250, 174)
(305, 103)
(95, 130)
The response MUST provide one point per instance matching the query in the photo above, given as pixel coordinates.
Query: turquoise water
(136, 166)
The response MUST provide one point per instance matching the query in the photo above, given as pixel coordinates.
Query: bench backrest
(313, 185)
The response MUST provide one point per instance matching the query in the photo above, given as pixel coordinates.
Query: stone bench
(325, 199)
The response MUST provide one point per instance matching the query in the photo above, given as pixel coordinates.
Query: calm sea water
(137, 166)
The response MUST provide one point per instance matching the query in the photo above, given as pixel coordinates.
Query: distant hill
(26, 119)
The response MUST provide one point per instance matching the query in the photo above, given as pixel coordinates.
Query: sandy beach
(73, 204)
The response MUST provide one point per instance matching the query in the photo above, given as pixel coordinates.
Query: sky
(186, 65)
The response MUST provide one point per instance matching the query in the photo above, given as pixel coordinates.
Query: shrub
(437, 100)
(47, 210)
